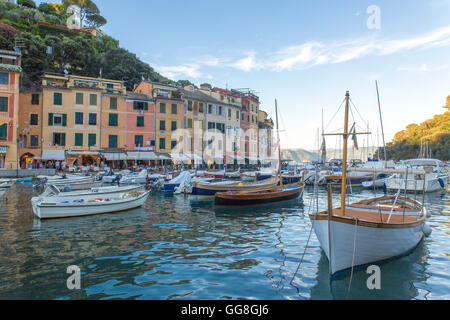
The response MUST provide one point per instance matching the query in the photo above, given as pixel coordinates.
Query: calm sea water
(174, 248)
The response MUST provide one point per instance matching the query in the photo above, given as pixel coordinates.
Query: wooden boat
(211, 188)
(370, 230)
(245, 198)
(355, 180)
(214, 174)
(276, 194)
(89, 205)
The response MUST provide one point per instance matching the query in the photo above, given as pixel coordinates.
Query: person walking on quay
(57, 165)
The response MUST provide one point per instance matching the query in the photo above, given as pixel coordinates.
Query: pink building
(140, 122)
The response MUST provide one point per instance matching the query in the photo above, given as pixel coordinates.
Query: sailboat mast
(381, 121)
(279, 145)
(344, 156)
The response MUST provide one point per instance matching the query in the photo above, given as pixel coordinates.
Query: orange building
(10, 71)
(30, 126)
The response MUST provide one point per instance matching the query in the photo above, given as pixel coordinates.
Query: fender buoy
(441, 182)
(426, 229)
(384, 187)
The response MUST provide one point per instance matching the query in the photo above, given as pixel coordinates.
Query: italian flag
(355, 142)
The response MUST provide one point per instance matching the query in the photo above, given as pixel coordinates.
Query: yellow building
(10, 71)
(72, 117)
(169, 116)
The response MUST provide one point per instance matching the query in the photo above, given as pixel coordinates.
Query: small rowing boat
(89, 205)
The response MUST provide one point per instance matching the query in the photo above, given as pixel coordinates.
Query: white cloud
(313, 53)
(177, 72)
(423, 68)
(247, 64)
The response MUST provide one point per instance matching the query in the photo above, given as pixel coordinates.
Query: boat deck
(376, 217)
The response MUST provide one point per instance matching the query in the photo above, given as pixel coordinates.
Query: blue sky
(306, 54)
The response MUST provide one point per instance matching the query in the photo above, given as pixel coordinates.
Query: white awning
(179, 157)
(142, 155)
(53, 155)
(93, 153)
(163, 157)
(252, 158)
(114, 156)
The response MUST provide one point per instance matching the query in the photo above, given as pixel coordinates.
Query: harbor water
(178, 248)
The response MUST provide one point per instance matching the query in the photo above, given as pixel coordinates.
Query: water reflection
(175, 248)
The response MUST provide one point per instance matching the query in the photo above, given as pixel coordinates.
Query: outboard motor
(67, 188)
(40, 183)
(117, 178)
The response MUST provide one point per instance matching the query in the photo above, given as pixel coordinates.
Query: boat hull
(257, 198)
(372, 244)
(413, 185)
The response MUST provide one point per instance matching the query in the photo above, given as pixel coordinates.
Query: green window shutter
(50, 119)
(35, 99)
(78, 139)
(113, 103)
(174, 109)
(57, 99)
(79, 98)
(140, 122)
(93, 99)
(189, 123)
(162, 108)
(135, 105)
(3, 131)
(145, 105)
(63, 139)
(64, 120)
(3, 104)
(92, 139)
(113, 120)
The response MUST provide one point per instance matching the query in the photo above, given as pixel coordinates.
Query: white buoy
(426, 229)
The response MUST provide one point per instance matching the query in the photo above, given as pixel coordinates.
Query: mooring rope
(310, 230)
(353, 258)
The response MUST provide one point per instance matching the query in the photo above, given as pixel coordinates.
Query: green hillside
(435, 132)
(48, 45)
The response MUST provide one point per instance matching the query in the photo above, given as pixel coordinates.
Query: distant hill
(298, 155)
(302, 155)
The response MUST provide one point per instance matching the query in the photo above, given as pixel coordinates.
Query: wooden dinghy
(367, 231)
(246, 198)
(210, 189)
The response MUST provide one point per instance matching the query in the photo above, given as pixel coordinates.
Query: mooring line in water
(353, 258)
(310, 230)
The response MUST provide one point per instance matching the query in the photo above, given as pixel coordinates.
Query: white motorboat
(133, 178)
(53, 193)
(233, 174)
(77, 183)
(5, 184)
(89, 205)
(115, 177)
(434, 179)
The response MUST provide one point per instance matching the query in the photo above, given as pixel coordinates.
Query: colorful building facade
(72, 115)
(10, 71)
